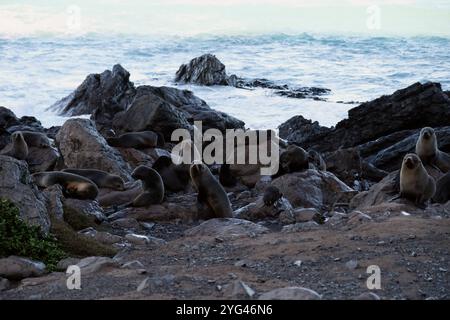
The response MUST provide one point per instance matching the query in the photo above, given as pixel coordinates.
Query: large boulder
(82, 147)
(311, 188)
(108, 92)
(16, 186)
(204, 70)
(18, 268)
(414, 107)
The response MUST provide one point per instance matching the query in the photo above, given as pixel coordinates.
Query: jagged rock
(17, 268)
(16, 186)
(83, 147)
(290, 293)
(257, 210)
(55, 201)
(66, 262)
(148, 111)
(311, 188)
(298, 130)
(414, 107)
(227, 228)
(103, 94)
(204, 70)
(238, 290)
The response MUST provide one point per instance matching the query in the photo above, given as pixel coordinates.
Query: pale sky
(191, 17)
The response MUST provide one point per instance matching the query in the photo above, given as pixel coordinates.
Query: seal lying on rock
(74, 186)
(137, 140)
(18, 148)
(428, 152)
(210, 193)
(415, 183)
(293, 159)
(442, 194)
(101, 178)
(36, 139)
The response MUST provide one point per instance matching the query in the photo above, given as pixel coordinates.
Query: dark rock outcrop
(204, 70)
(414, 107)
(101, 94)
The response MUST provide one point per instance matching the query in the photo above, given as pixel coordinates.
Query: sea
(37, 71)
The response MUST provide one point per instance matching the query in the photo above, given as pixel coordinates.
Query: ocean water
(35, 72)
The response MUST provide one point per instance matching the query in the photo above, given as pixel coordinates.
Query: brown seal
(152, 184)
(428, 152)
(74, 186)
(175, 177)
(210, 193)
(36, 139)
(415, 183)
(18, 148)
(101, 178)
(137, 140)
(271, 195)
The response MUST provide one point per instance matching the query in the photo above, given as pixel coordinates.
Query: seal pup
(442, 194)
(18, 148)
(101, 178)
(415, 183)
(210, 193)
(271, 195)
(152, 184)
(74, 186)
(428, 152)
(137, 140)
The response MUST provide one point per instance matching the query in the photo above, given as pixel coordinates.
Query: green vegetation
(17, 238)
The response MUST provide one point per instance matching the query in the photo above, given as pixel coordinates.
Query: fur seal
(74, 186)
(210, 193)
(293, 159)
(415, 183)
(137, 140)
(442, 194)
(101, 178)
(316, 161)
(226, 178)
(271, 195)
(428, 152)
(36, 139)
(18, 148)
(175, 177)
(152, 184)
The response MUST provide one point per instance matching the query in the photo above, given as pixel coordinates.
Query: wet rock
(17, 268)
(227, 228)
(107, 93)
(83, 147)
(311, 188)
(204, 70)
(290, 293)
(16, 186)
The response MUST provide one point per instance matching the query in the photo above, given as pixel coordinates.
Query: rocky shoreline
(315, 242)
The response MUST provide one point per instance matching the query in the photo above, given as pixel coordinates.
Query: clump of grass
(18, 238)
